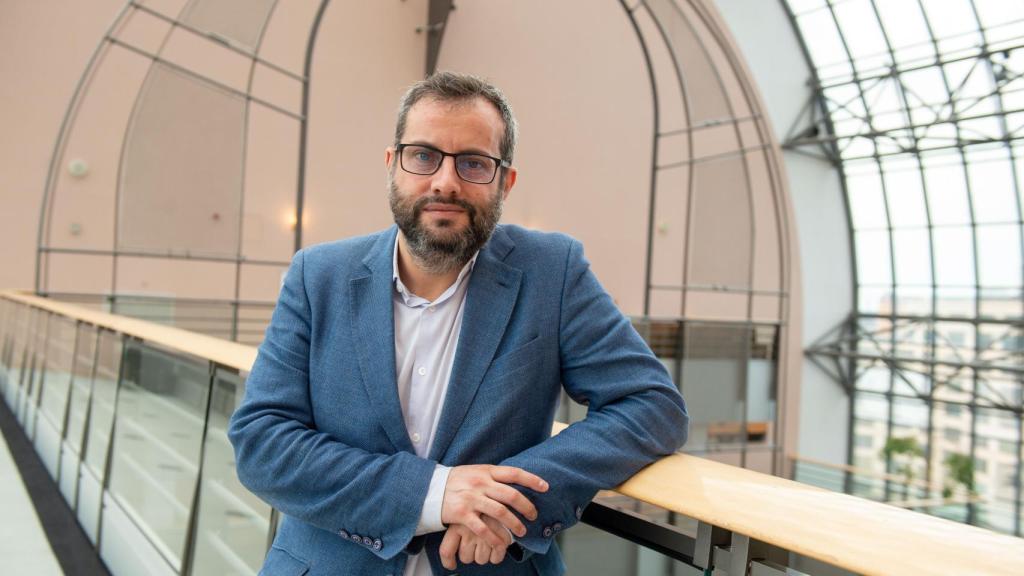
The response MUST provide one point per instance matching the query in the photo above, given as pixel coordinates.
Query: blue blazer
(320, 436)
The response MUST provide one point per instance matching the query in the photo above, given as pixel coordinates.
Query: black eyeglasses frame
(498, 162)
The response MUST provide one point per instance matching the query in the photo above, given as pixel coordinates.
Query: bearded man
(399, 412)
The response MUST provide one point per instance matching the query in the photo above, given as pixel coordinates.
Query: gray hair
(456, 87)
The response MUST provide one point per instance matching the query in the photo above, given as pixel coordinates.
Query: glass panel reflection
(81, 387)
(160, 411)
(56, 378)
(101, 404)
(233, 525)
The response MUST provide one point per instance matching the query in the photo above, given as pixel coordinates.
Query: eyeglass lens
(470, 167)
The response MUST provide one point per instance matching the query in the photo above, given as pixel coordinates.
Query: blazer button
(367, 541)
(547, 532)
(377, 544)
(579, 512)
(355, 538)
(557, 526)
(343, 534)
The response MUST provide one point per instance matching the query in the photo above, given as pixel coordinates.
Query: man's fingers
(477, 526)
(467, 551)
(497, 555)
(504, 516)
(483, 554)
(514, 498)
(513, 475)
(449, 547)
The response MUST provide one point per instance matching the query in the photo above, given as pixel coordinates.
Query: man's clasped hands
(477, 509)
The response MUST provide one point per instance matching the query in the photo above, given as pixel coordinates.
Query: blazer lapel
(371, 319)
(493, 289)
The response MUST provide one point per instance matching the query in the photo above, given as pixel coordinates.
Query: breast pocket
(516, 360)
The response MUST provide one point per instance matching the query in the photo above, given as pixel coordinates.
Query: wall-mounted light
(78, 168)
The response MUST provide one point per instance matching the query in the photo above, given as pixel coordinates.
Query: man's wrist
(430, 516)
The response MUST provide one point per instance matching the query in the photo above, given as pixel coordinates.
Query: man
(399, 412)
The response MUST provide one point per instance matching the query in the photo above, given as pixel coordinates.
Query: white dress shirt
(426, 337)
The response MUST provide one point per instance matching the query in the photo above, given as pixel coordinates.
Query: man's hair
(459, 88)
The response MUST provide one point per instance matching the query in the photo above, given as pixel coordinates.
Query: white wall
(773, 54)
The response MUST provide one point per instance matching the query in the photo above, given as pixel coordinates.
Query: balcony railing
(130, 419)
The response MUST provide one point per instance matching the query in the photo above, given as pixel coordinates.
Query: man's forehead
(473, 118)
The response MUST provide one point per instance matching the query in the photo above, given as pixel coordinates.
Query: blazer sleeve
(309, 475)
(635, 413)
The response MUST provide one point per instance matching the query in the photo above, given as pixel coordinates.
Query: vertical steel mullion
(892, 256)
(819, 95)
(656, 120)
(300, 190)
(1016, 180)
(897, 78)
(191, 532)
(109, 457)
(109, 38)
(67, 402)
(88, 418)
(239, 253)
(971, 509)
(46, 206)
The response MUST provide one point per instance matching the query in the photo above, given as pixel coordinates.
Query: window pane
(905, 193)
(947, 190)
(913, 257)
(874, 264)
(954, 256)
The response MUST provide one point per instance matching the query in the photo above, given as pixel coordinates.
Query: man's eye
(422, 156)
(472, 163)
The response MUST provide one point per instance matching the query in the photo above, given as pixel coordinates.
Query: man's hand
(470, 548)
(483, 490)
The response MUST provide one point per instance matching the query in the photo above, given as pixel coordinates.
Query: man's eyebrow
(463, 151)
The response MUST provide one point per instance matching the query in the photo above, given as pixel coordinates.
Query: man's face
(444, 218)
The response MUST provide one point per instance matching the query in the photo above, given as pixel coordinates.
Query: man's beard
(441, 251)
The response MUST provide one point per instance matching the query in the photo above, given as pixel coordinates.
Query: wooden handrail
(222, 352)
(859, 535)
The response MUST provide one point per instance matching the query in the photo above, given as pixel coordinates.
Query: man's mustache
(418, 206)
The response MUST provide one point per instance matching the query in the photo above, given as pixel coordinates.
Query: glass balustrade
(146, 464)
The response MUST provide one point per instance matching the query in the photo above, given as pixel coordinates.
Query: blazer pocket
(516, 360)
(280, 562)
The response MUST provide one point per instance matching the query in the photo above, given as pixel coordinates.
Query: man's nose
(446, 180)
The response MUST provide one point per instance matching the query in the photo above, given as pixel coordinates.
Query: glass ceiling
(924, 106)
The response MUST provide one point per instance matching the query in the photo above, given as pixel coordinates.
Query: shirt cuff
(430, 517)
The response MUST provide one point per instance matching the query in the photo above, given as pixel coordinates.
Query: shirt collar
(413, 300)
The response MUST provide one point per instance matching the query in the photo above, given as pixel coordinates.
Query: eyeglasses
(426, 160)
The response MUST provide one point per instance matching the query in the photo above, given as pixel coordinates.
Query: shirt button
(416, 437)
(422, 371)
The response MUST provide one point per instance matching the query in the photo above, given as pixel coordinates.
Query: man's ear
(510, 181)
(389, 156)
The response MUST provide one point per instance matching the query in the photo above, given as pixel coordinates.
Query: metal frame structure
(664, 17)
(876, 338)
(216, 41)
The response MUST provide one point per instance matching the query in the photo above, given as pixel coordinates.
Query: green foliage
(960, 472)
(902, 452)
(901, 446)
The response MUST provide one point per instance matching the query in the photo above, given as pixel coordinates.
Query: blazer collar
(491, 297)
